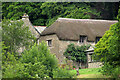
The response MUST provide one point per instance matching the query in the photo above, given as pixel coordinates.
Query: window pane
(82, 39)
(49, 43)
(97, 39)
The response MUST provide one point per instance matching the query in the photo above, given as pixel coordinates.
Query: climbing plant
(76, 53)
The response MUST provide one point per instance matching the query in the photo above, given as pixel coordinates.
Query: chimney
(25, 16)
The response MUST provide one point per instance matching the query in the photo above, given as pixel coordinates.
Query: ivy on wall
(77, 53)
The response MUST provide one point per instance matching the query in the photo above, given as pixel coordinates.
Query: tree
(118, 17)
(67, 10)
(39, 54)
(15, 10)
(76, 53)
(107, 50)
(45, 13)
(15, 35)
(108, 10)
(37, 62)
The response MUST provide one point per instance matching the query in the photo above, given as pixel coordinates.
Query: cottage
(35, 30)
(78, 31)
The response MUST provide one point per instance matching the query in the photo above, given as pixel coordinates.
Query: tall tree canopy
(45, 13)
(107, 50)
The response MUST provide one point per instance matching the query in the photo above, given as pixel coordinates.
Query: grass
(0, 74)
(89, 73)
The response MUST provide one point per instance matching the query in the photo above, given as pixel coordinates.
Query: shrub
(74, 67)
(39, 61)
(79, 67)
(36, 62)
(110, 70)
(62, 73)
(76, 53)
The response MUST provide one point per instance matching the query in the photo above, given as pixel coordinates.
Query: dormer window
(82, 39)
(49, 43)
(97, 39)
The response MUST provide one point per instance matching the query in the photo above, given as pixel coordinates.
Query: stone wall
(59, 46)
(54, 48)
(94, 64)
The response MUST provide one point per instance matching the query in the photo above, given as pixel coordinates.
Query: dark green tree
(107, 50)
(108, 10)
(67, 10)
(15, 10)
(45, 13)
(76, 53)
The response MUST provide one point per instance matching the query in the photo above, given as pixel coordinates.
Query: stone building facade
(65, 31)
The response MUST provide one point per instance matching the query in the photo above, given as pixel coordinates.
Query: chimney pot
(25, 16)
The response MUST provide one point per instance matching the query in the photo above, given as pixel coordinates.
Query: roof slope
(71, 29)
(27, 22)
(40, 28)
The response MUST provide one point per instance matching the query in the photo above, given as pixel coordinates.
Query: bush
(39, 61)
(36, 62)
(63, 73)
(79, 67)
(76, 53)
(110, 70)
(74, 67)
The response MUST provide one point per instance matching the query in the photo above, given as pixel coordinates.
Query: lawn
(89, 73)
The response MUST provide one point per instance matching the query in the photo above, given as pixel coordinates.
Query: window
(91, 58)
(97, 39)
(49, 42)
(82, 39)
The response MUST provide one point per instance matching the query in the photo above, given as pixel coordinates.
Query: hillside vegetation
(45, 13)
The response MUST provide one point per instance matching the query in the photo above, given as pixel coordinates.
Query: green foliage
(67, 10)
(110, 70)
(15, 10)
(45, 13)
(10, 66)
(76, 53)
(51, 21)
(63, 73)
(36, 62)
(15, 35)
(118, 17)
(107, 51)
(0, 60)
(40, 55)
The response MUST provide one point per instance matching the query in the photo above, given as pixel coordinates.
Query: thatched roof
(71, 29)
